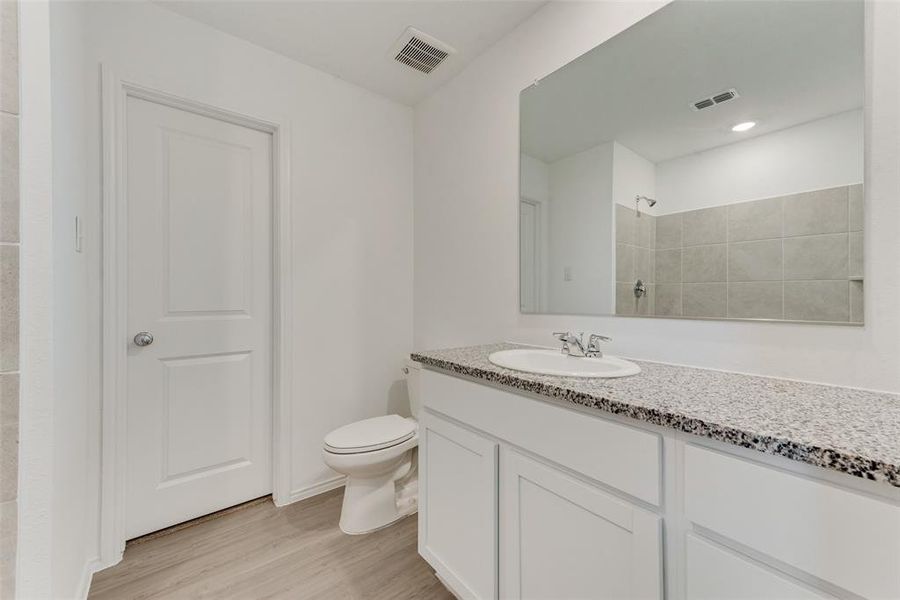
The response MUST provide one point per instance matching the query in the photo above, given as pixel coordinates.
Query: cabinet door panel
(458, 506)
(843, 537)
(715, 573)
(563, 538)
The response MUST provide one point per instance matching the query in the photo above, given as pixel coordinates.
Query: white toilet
(378, 457)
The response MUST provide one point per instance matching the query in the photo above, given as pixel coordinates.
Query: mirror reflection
(705, 163)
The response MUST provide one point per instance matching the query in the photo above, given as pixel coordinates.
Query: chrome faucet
(592, 350)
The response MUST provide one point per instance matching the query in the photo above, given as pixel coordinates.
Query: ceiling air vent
(420, 51)
(717, 99)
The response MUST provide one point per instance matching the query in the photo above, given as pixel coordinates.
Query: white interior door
(199, 199)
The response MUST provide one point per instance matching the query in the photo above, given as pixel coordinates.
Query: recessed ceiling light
(744, 126)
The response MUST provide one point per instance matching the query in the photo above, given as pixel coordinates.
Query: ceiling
(352, 40)
(791, 62)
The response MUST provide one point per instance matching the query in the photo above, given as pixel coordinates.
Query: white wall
(633, 175)
(816, 155)
(466, 187)
(36, 419)
(535, 179)
(75, 515)
(580, 219)
(351, 176)
(535, 186)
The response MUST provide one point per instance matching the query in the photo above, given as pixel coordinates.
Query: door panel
(199, 202)
(209, 201)
(563, 538)
(208, 398)
(458, 506)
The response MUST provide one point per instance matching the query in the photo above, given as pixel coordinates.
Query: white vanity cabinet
(522, 497)
(563, 538)
(458, 490)
(505, 506)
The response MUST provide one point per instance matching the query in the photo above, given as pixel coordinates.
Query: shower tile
(857, 207)
(705, 226)
(9, 397)
(9, 57)
(625, 300)
(9, 460)
(9, 308)
(757, 220)
(755, 261)
(755, 300)
(668, 300)
(624, 262)
(857, 268)
(643, 265)
(644, 231)
(9, 178)
(816, 257)
(668, 266)
(624, 225)
(704, 300)
(857, 302)
(822, 211)
(668, 231)
(704, 263)
(817, 301)
(645, 304)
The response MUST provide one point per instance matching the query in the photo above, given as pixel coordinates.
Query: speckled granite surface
(843, 429)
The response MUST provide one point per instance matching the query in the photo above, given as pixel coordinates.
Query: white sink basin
(554, 362)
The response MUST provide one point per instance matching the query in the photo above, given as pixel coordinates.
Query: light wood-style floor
(261, 551)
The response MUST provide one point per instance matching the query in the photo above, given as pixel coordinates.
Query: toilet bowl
(378, 457)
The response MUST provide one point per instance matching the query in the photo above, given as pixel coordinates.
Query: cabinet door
(715, 573)
(458, 506)
(563, 538)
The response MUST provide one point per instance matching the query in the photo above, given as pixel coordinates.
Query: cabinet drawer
(623, 457)
(842, 537)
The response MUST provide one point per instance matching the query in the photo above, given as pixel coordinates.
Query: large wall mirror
(705, 163)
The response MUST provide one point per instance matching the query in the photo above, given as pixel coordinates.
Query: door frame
(114, 265)
(538, 241)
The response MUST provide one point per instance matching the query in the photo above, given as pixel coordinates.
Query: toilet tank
(413, 370)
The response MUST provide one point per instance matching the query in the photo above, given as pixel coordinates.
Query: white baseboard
(87, 576)
(317, 488)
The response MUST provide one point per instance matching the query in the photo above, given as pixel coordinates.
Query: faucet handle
(593, 347)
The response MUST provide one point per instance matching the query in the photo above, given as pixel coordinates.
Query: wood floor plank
(264, 552)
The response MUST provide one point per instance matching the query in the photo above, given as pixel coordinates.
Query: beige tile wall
(9, 292)
(635, 259)
(795, 257)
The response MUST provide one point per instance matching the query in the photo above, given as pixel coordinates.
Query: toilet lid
(370, 434)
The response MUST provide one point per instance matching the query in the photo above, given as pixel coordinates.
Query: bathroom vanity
(676, 482)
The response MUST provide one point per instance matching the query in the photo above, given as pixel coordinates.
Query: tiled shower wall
(796, 257)
(635, 259)
(9, 292)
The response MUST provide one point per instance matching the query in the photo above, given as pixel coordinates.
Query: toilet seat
(369, 435)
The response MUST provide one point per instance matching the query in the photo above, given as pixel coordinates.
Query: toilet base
(371, 503)
(381, 486)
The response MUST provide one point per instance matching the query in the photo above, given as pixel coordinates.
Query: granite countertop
(842, 429)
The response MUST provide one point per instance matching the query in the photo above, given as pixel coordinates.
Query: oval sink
(554, 362)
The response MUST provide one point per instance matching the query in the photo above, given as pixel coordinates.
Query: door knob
(144, 338)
